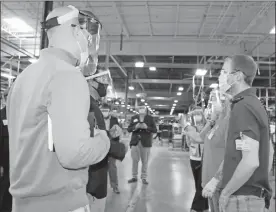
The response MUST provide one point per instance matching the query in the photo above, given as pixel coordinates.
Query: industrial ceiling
(175, 37)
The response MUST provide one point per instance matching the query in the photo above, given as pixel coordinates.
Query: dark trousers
(199, 202)
(5, 196)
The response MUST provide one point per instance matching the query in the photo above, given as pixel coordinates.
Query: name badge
(242, 145)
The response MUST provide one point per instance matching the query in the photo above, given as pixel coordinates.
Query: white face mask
(106, 114)
(223, 84)
(142, 111)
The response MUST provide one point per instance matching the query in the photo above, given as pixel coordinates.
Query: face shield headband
(87, 21)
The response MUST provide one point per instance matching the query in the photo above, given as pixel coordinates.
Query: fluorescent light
(122, 103)
(272, 31)
(175, 101)
(18, 25)
(121, 112)
(179, 93)
(7, 75)
(200, 72)
(117, 103)
(142, 100)
(139, 64)
(152, 68)
(214, 85)
(174, 104)
(129, 105)
(145, 103)
(180, 88)
(33, 60)
(131, 88)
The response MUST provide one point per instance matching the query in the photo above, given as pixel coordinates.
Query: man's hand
(209, 189)
(137, 126)
(223, 201)
(143, 126)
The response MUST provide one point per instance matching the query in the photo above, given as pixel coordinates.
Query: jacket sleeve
(68, 110)
(117, 150)
(152, 127)
(131, 127)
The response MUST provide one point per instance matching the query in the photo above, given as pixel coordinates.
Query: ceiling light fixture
(33, 60)
(142, 100)
(7, 75)
(272, 31)
(175, 101)
(174, 104)
(200, 72)
(145, 103)
(139, 64)
(214, 85)
(131, 88)
(179, 93)
(180, 88)
(18, 25)
(152, 68)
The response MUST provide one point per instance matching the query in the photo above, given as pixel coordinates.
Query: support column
(266, 99)
(48, 7)
(126, 93)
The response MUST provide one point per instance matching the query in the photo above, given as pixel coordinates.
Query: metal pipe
(266, 101)
(126, 94)
(48, 7)
(119, 66)
(108, 50)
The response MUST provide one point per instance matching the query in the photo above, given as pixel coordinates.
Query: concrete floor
(170, 189)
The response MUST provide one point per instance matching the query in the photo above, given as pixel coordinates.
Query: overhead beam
(177, 20)
(204, 19)
(149, 19)
(162, 45)
(121, 20)
(175, 65)
(258, 62)
(166, 81)
(265, 7)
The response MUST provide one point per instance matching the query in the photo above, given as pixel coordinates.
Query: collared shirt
(248, 117)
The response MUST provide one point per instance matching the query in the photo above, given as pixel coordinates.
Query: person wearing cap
(244, 173)
(98, 173)
(115, 131)
(142, 127)
(47, 109)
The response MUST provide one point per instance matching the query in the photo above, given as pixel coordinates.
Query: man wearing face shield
(98, 173)
(47, 109)
(245, 170)
(142, 127)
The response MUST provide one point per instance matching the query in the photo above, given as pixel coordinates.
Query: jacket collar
(241, 95)
(59, 54)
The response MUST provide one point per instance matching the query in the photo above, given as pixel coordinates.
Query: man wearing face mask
(98, 173)
(115, 132)
(142, 127)
(244, 172)
(47, 110)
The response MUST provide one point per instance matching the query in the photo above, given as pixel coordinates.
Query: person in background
(142, 127)
(47, 112)
(115, 132)
(199, 203)
(5, 196)
(244, 173)
(98, 173)
(213, 136)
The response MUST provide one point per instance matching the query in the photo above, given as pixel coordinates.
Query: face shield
(90, 26)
